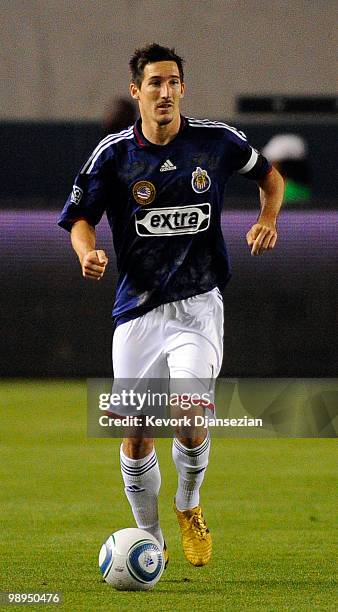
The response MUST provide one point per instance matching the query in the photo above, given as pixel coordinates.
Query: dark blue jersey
(163, 204)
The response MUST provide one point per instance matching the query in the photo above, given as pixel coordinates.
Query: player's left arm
(263, 234)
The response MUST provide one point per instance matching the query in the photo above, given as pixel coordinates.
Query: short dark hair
(149, 54)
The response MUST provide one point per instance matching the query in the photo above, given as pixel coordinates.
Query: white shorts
(182, 339)
(176, 350)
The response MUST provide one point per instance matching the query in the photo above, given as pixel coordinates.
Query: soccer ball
(131, 560)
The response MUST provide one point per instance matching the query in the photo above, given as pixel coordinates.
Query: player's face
(160, 92)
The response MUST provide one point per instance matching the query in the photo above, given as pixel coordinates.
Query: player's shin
(191, 464)
(142, 481)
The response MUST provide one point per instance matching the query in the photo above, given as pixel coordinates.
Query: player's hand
(94, 264)
(261, 237)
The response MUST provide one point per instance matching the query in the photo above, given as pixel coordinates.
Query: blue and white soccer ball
(131, 560)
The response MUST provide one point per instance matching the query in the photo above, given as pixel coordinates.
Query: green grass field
(271, 506)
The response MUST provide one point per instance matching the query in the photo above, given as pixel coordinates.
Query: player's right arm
(84, 208)
(93, 261)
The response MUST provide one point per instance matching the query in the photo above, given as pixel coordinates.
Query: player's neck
(161, 134)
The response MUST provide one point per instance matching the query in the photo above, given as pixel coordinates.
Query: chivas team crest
(200, 181)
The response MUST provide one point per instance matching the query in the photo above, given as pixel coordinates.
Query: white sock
(191, 464)
(142, 481)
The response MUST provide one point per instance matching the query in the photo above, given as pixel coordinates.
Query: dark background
(38, 160)
(280, 309)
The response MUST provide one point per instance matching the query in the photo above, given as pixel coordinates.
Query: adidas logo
(168, 165)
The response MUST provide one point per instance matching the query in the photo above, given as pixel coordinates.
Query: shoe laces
(199, 525)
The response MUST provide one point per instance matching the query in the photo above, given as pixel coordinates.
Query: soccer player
(161, 184)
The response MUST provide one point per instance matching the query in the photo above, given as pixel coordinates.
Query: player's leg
(195, 352)
(191, 467)
(142, 481)
(195, 355)
(191, 464)
(137, 355)
(190, 453)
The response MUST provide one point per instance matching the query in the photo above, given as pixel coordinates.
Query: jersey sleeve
(88, 199)
(246, 160)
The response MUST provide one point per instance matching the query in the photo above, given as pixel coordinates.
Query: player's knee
(191, 442)
(137, 448)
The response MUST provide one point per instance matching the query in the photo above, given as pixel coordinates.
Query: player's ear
(182, 90)
(133, 91)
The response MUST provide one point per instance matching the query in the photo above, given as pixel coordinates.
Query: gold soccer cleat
(196, 538)
(165, 555)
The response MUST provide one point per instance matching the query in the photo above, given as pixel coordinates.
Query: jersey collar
(143, 142)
